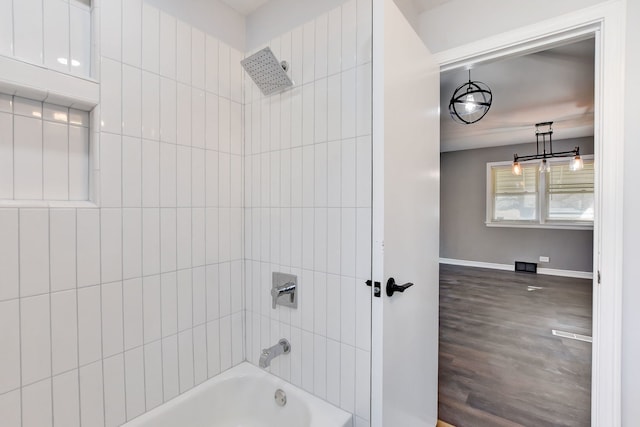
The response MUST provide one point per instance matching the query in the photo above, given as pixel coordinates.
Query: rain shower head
(267, 73)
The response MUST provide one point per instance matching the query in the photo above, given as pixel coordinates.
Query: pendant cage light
(470, 102)
(544, 140)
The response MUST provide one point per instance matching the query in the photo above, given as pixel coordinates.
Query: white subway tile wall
(43, 152)
(108, 312)
(204, 184)
(53, 33)
(308, 208)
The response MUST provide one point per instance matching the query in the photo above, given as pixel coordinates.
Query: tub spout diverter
(268, 354)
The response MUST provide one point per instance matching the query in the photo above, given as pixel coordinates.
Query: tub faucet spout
(268, 354)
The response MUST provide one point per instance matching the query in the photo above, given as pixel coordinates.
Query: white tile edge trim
(509, 267)
(42, 84)
(82, 204)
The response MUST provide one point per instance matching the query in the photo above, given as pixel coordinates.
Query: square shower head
(267, 73)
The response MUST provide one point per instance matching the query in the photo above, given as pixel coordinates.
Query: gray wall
(464, 235)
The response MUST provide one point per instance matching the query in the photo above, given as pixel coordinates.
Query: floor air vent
(526, 267)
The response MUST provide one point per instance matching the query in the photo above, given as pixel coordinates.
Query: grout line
(50, 316)
(42, 35)
(68, 150)
(104, 406)
(121, 208)
(144, 347)
(41, 147)
(219, 231)
(20, 317)
(13, 29)
(13, 152)
(69, 35)
(326, 289)
(206, 197)
(75, 211)
(191, 151)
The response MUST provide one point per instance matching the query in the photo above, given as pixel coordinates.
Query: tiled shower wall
(308, 208)
(44, 151)
(107, 312)
(53, 33)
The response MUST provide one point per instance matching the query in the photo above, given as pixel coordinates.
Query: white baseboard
(479, 264)
(511, 267)
(566, 273)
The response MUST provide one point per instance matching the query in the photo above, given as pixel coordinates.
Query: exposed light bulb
(470, 104)
(545, 167)
(516, 169)
(576, 164)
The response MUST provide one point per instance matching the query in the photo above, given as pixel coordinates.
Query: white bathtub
(244, 397)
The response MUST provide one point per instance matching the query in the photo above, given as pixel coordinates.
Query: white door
(406, 169)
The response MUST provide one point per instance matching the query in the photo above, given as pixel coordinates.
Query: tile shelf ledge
(36, 82)
(77, 204)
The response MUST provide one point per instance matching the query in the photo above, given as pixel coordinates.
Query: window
(560, 198)
(570, 193)
(515, 197)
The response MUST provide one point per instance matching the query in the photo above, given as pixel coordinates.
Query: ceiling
(424, 5)
(244, 7)
(553, 85)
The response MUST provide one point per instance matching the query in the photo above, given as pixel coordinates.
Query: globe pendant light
(470, 102)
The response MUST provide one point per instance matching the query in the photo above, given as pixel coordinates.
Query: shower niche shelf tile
(39, 83)
(44, 154)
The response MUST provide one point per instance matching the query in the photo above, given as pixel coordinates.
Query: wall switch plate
(544, 259)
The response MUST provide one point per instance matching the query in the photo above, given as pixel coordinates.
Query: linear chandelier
(544, 139)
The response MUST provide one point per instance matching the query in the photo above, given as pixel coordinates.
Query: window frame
(542, 202)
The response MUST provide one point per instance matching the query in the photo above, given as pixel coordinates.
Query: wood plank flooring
(500, 366)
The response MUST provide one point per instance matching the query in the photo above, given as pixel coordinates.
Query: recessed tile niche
(52, 33)
(44, 152)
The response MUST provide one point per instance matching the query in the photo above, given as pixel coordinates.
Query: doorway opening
(508, 347)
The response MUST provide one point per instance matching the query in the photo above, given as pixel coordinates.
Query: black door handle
(392, 287)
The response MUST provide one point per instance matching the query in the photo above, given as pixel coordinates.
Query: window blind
(505, 182)
(562, 180)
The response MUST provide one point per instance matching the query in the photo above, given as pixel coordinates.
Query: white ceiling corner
(244, 7)
(422, 6)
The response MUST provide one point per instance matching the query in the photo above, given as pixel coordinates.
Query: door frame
(607, 22)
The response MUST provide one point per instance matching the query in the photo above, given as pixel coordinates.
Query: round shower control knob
(280, 397)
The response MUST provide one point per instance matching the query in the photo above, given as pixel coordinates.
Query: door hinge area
(599, 278)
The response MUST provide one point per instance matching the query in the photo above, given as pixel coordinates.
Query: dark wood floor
(500, 366)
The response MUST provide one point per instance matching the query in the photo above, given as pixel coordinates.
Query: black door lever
(392, 287)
